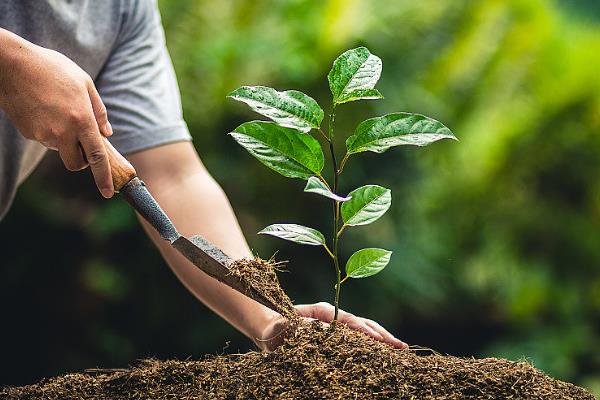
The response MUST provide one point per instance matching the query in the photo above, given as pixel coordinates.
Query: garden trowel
(198, 250)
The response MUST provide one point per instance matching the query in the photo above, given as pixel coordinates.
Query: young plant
(286, 146)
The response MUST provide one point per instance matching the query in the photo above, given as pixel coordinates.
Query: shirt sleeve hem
(133, 142)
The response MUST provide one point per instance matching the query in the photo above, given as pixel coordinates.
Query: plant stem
(324, 181)
(328, 251)
(336, 216)
(335, 171)
(343, 163)
(324, 135)
(330, 125)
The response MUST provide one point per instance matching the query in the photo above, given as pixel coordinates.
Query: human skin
(51, 100)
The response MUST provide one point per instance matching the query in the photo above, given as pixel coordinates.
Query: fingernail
(107, 193)
(108, 129)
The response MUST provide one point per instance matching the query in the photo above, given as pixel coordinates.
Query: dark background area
(496, 238)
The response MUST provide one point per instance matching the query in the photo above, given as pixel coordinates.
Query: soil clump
(262, 276)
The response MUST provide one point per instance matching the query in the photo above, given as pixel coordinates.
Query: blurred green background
(496, 237)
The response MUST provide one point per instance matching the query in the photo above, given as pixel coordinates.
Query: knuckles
(87, 80)
(77, 118)
(95, 156)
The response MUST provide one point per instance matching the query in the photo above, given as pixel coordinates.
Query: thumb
(99, 111)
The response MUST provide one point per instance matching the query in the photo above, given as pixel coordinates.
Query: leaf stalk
(343, 163)
(328, 251)
(324, 182)
(324, 135)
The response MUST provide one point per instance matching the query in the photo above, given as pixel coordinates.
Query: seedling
(286, 146)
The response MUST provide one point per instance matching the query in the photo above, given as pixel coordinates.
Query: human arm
(51, 100)
(196, 204)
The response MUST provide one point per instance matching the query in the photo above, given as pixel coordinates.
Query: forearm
(12, 48)
(197, 205)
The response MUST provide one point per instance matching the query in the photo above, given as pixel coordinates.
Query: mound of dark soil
(313, 363)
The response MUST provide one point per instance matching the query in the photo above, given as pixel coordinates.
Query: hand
(274, 332)
(51, 100)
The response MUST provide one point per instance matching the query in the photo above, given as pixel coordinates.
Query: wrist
(264, 327)
(13, 49)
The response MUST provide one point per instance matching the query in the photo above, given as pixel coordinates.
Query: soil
(314, 362)
(262, 276)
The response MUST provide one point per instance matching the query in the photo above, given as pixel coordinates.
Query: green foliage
(367, 262)
(381, 133)
(295, 233)
(285, 150)
(315, 185)
(293, 154)
(354, 75)
(291, 109)
(367, 205)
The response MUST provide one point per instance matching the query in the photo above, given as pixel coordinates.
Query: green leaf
(285, 150)
(369, 94)
(314, 185)
(366, 205)
(367, 262)
(295, 233)
(381, 133)
(291, 108)
(354, 75)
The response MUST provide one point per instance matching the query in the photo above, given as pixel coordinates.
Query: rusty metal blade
(215, 263)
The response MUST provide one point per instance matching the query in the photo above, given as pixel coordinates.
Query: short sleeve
(138, 84)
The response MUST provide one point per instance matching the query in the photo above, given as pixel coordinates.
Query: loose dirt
(315, 362)
(262, 276)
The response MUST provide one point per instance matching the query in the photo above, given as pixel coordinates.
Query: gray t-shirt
(121, 45)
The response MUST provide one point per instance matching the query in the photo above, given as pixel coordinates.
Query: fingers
(85, 133)
(321, 311)
(93, 144)
(72, 156)
(325, 312)
(99, 111)
(95, 153)
(359, 324)
(387, 336)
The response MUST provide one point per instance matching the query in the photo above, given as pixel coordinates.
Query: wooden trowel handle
(132, 189)
(122, 171)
